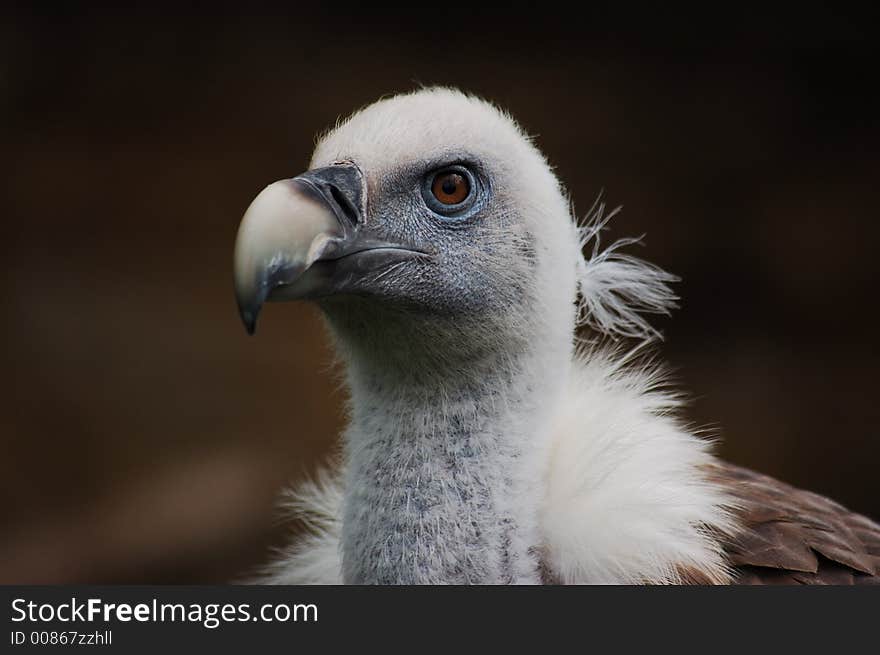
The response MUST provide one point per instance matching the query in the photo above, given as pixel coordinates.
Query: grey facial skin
(454, 265)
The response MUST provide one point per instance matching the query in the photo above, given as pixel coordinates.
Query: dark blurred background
(145, 437)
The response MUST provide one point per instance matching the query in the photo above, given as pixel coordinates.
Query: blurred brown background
(144, 437)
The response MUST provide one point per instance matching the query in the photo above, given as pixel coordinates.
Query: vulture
(507, 421)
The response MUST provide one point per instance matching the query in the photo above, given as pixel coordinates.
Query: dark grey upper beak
(291, 225)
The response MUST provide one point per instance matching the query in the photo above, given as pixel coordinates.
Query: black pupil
(450, 184)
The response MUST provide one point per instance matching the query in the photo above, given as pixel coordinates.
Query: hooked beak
(306, 238)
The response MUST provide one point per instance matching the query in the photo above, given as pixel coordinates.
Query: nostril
(344, 204)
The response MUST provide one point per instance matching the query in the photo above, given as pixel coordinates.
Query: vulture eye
(450, 187)
(450, 191)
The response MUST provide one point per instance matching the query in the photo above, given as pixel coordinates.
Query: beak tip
(250, 298)
(249, 318)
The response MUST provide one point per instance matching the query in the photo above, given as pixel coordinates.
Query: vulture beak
(306, 238)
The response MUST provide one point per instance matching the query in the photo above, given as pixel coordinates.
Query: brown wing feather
(791, 536)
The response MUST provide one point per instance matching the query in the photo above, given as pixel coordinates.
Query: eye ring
(450, 191)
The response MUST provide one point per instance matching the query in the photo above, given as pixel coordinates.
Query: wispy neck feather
(614, 289)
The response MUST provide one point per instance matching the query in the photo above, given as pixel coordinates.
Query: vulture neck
(445, 461)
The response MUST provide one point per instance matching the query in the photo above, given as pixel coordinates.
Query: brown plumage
(792, 536)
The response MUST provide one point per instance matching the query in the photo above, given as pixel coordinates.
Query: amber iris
(450, 188)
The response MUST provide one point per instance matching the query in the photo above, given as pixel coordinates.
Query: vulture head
(428, 228)
(482, 445)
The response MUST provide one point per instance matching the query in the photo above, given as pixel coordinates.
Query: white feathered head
(435, 209)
